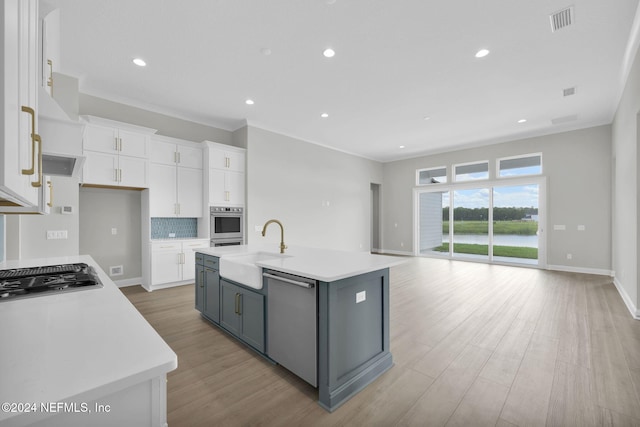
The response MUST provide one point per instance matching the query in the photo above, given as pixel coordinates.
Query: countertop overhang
(76, 346)
(326, 265)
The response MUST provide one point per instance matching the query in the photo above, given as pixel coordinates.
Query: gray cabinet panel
(229, 317)
(212, 294)
(199, 287)
(253, 319)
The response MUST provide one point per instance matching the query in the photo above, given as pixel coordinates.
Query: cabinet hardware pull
(120, 147)
(120, 174)
(31, 170)
(202, 279)
(38, 183)
(50, 184)
(179, 159)
(226, 196)
(50, 79)
(240, 304)
(115, 140)
(237, 303)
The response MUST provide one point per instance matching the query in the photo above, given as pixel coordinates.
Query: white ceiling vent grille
(561, 19)
(569, 91)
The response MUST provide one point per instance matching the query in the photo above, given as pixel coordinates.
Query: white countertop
(75, 346)
(320, 264)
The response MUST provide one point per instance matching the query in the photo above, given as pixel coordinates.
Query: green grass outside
(503, 251)
(523, 228)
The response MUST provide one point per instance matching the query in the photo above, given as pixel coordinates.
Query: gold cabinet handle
(202, 279)
(120, 175)
(226, 196)
(50, 184)
(50, 79)
(237, 303)
(32, 169)
(38, 183)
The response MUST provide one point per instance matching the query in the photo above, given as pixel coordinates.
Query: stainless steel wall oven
(226, 225)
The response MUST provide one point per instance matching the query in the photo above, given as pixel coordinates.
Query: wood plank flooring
(473, 345)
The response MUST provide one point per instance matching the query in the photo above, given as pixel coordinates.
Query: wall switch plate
(569, 256)
(114, 231)
(581, 228)
(361, 296)
(67, 210)
(172, 234)
(559, 227)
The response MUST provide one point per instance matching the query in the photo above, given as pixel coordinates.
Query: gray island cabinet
(350, 313)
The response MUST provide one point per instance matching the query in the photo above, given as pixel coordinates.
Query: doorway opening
(375, 218)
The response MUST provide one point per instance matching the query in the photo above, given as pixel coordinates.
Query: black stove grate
(39, 271)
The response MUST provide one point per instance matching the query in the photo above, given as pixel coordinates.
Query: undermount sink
(243, 269)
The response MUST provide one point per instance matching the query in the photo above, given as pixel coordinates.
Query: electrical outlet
(171, 235)
(569, 256)
(116, 270)
(361, 296)
(114, 231)
(57, 234)
(559, 227)
(581, 228)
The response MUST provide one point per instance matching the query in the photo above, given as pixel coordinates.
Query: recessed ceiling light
(265, 51)
(324, 115)
(482, 53)
(426, 118)
(139, 62)
(249, 102)
(402, 146)
(329, 53)
(522, 120)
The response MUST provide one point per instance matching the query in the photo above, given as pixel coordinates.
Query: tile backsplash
(184, 228)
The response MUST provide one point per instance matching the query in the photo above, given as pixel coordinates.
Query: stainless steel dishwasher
(292, 320)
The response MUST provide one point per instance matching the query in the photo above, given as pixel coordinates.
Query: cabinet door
(252, 304)
(166, 266)
(217, 158)
(189, 194)
(235, 161)
(18, 89)
(162, 152)
(189, 259)
(100, 168)
(50, 49)
(234, 188)
(212, 294)
(99, 138)
(134, 172)
(189, 157)
(229, 307)
(217, 192)
(133, 144)
(162, 190)
(200, 282)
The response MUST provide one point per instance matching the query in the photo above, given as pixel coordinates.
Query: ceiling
(396, 63)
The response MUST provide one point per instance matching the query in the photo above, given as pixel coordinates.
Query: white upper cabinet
(117, 154)
(176, 179)
(226, 182)
(20, 145)
(50, 62)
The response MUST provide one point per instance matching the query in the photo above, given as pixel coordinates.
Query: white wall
(103, 209)
(626, 191)
(577, 167)
(27, 234)
(322, 196)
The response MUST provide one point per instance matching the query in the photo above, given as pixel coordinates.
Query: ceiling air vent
(561, 19)
(569, 91)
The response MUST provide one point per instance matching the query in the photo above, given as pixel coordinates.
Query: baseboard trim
(569, 269)
(128, 282)
(627, 299)
(168, 285)
(392, 252)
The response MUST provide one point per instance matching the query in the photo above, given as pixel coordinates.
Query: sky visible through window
(503, 197)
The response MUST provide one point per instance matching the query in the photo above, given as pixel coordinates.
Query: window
(432, 176)
(530, 164)
(471, 171)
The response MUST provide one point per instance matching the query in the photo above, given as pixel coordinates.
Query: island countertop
(75, 346)
(326, 265)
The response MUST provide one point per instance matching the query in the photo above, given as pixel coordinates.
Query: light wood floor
(473, 345)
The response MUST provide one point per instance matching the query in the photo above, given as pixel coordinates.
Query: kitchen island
(80, 358)
(347, 345)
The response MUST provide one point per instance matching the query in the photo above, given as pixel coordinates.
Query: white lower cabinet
(174, 261)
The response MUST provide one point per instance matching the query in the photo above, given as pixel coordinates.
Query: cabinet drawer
(199, 258)
(166, 246)
(211, 261)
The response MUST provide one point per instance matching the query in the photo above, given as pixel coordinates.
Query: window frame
(520, 156)
(479, 162)
(446, 175)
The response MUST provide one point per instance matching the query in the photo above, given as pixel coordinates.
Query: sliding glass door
(493, 223)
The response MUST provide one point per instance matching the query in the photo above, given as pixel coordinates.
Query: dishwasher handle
(290, 281)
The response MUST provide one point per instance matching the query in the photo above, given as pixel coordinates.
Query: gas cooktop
(47, 280)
